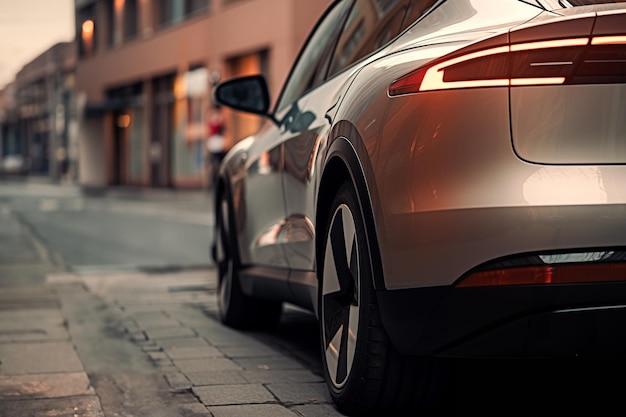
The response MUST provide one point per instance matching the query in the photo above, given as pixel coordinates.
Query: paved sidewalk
(40, 371)
(46, 345)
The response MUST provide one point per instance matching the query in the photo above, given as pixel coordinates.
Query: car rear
(500, 178)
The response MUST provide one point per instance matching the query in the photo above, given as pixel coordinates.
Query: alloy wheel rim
(340, 296)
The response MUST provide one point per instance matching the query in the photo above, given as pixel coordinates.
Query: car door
(370, 24)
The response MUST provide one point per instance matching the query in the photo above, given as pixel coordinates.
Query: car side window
(416, 10)
(370, 25)
(310, 69)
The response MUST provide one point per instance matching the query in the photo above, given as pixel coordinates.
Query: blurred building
(11, 155)
(144, 76)
(38, 117)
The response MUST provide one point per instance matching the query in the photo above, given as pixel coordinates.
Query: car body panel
(255, 170)
(449, 181)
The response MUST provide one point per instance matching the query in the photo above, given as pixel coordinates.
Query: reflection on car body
(437, 179)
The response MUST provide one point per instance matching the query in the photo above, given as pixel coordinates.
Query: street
(108, 308)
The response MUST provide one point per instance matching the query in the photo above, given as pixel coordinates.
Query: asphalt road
(123, 229)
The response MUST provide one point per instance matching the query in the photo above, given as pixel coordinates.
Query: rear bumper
(551, 321)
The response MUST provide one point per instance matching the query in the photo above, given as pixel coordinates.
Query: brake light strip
(432, 78)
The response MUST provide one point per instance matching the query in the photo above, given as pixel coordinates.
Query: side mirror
(248, 94)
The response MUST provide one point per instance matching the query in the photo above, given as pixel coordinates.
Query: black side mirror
(248, 94)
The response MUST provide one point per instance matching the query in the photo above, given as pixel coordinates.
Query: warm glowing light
(609, 40)
(119, 5)
(180, 87)
(433, 79)
(560, 43)
(123, 121)
(88, 26)
(537, 81)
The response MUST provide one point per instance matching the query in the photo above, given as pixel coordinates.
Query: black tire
(236, 309)
(363, 371)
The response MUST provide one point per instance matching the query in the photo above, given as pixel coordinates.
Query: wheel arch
(343, 163)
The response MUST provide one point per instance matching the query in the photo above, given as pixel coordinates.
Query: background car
(437, 179)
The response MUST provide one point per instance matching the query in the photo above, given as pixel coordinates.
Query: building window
(170, 12)
(123, 21)
(131, 17)
(110, 23)
(86, 31)
(196, 6)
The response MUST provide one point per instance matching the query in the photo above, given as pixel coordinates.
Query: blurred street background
(121, 95)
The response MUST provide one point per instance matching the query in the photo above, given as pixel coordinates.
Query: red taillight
(547, 274)
(577, 60)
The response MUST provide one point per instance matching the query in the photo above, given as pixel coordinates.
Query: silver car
(437, 179)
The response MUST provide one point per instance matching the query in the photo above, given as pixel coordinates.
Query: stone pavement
(51, 351)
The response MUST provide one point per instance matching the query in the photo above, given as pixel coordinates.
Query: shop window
(240, 125)
(189, 127)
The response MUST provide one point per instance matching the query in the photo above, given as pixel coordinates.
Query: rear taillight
(547, 274)
(585, 59)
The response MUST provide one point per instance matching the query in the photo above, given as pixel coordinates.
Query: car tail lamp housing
(572, 60)
(547, 274)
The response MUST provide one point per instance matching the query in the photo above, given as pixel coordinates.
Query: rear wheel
(363, 371)
(235, 308)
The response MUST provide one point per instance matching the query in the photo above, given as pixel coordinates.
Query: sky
(28, 28)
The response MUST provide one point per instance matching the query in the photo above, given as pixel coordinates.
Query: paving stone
(197, 409)
(216, 378)
(250, 350)
(193, 352)
(266, 363)
(317, 410)
(28, 298)
(149, 315)
(37, 358)
(178, 382)
(134, 309)
(222, 336)
(44, 386)
(281, 376)
(316, 392)
(157, 323)
(167, 368)
(88, 406)
(256, 410)
(130, 326)
(209, 364)
(32, 325)
(234, 394)
(189, 316)
(138, 336)
(152, 347)
(34, 333)
(170, 333)
(159, 357)
(185, 342)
